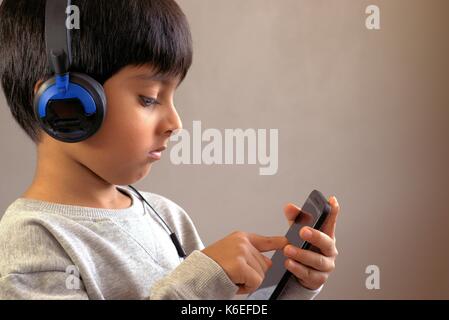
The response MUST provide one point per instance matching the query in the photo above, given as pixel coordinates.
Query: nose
(171, 120)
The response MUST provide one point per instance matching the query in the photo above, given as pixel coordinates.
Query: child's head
(139, 50)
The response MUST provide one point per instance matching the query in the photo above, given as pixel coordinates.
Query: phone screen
(313, 213)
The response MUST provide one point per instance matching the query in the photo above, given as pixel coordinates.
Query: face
(140, 118)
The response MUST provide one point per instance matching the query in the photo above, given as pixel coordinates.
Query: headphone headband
(58, 36)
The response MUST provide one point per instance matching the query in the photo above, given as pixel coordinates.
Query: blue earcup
(70, 107)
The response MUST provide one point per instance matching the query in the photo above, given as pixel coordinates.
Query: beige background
(361, 114)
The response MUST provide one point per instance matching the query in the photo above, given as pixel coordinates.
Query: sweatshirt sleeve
(51, 285)
(295, 291)
(198, 277)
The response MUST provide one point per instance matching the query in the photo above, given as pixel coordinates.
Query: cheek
(118, 151)
(120, 163)
(127, 126)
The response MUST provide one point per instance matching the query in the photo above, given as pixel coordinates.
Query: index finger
(263, 244)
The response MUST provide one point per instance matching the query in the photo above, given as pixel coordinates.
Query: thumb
(291, 212)
(263, 244)
(331, 221)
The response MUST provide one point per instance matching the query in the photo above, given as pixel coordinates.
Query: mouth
(157, 153)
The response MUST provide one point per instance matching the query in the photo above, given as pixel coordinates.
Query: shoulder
(18, 223)
(25, 240)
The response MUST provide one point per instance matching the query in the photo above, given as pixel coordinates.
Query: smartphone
(313, 214)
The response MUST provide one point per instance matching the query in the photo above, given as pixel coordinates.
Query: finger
(264, 244)
(257, 262)
(291, 212)
(311, 259)
(330, 224)
(308, 277)
(252, 279)
(268, 261)
(320, 240)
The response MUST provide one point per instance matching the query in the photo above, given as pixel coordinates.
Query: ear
(38, 85)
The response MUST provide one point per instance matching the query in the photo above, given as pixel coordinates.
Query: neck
(60, 178)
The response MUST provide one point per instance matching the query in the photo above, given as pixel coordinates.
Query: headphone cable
(173, 236)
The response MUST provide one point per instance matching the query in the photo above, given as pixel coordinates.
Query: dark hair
(112, 35)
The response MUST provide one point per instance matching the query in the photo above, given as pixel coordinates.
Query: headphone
(71, 106)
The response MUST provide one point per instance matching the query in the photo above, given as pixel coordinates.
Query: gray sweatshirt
(56, 251)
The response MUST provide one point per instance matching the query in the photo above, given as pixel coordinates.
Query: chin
(142, 174)
(131, 177)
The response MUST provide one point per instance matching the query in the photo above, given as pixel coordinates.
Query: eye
(148, 101)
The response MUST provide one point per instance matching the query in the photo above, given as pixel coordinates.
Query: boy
(76, 232)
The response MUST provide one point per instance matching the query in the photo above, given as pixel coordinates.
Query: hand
(239, 254)
(312, 269)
